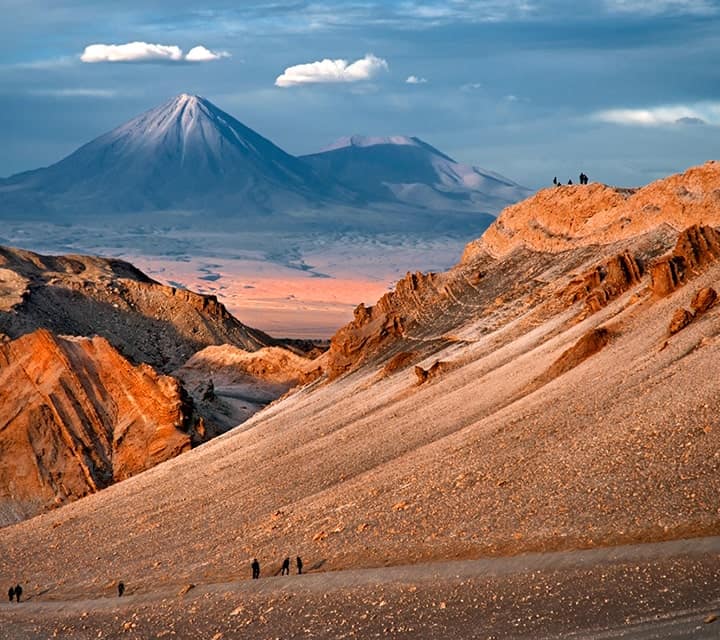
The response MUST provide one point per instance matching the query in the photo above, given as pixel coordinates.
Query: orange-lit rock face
(696, 248)
(75, 416)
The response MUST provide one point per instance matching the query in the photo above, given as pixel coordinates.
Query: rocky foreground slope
(552, 391)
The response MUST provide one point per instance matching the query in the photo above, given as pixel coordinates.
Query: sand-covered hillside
(537, 400)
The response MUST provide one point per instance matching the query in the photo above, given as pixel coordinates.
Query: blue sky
(626, 90)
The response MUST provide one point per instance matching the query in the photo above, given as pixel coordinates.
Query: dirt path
(668, 590)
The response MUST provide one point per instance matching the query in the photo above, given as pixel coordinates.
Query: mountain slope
(183, 155)
(410, 171)
(532, 400)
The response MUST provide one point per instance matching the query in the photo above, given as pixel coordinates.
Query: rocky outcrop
(604, 282)
(588, 345)
(697, 247)
(398, 361)
(144, 320)
(703, 300)
(75, 416)
(374, 326)
(229, 384)
(680, 319)
(436, 369)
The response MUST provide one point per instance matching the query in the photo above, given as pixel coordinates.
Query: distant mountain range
(189, 156)
(410, 171)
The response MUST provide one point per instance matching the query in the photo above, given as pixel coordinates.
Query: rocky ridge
(84, 296)
(546, 254)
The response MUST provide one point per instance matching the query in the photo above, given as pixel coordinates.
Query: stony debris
(681, 318)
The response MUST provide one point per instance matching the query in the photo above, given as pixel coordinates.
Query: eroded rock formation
(697, 247)
(558, 219)
(230, 384)
(605, 282)
(75, 416)
(374, 326)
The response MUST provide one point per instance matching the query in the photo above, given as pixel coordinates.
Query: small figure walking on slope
(299, 565)
(285, 569)
(255, 569)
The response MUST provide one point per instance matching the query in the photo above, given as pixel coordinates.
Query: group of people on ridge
(284, 569)
(583, 180)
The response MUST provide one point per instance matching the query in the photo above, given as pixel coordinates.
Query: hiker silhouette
(285, 570)
(121, 589)
(255, 569)
(11, 593)
(298, 560)
(555, 180)
(18, 592)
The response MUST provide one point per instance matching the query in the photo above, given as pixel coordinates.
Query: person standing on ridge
(18, 592)
(285, 569)
(11, 593)
(121, 589)
(298, 560)
(255, 569)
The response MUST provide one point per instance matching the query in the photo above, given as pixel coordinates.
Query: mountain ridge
(187, 155)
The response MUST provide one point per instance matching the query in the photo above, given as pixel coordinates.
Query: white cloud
(416, 80)
(131, 52)
(471, 86)
(146, 52)
(201, 54)
(705, 112)
(657, 7)
(332, 71)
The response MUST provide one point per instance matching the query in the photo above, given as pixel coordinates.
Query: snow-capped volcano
(183, 155)
(413, 172)
(187, 156)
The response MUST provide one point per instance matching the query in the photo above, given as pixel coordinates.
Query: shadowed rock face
(75, 416)
(82, 295)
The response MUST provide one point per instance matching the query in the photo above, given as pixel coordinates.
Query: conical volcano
(183, 155)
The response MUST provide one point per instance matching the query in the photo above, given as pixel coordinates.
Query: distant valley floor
(669, 590)
(289, 285)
